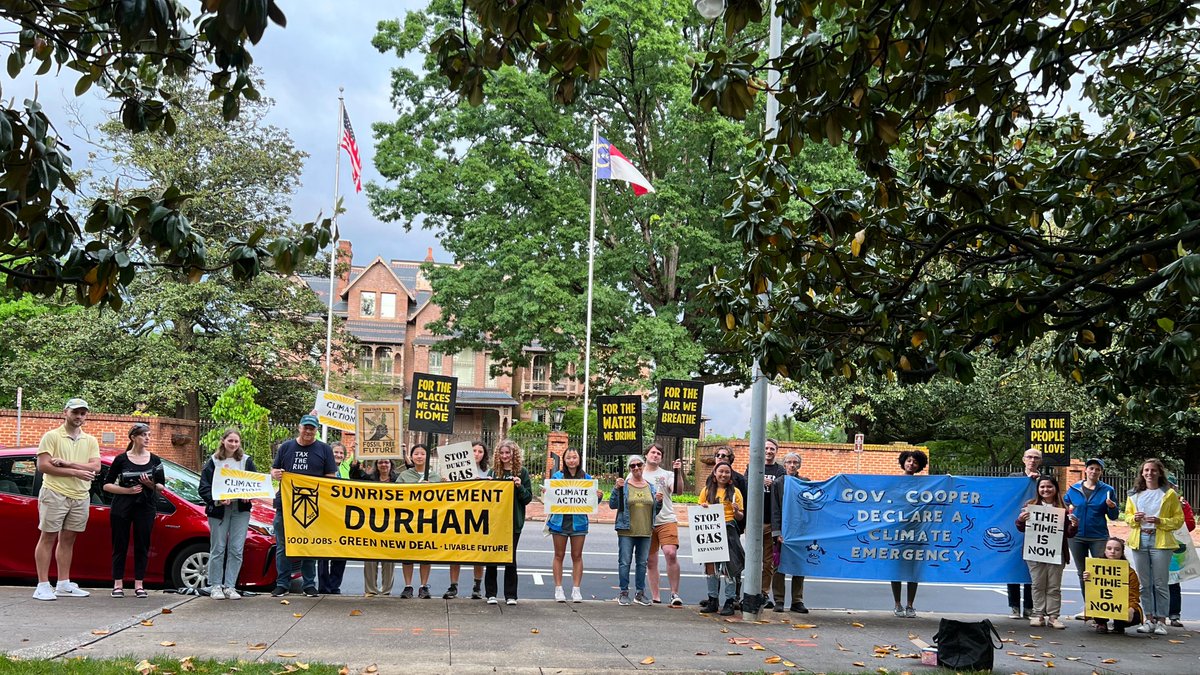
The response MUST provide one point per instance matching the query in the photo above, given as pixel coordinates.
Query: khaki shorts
(57, 513)
(666, 534)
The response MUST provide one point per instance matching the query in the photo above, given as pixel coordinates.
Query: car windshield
(183, 482)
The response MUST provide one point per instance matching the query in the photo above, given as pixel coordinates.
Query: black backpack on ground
(966, 645)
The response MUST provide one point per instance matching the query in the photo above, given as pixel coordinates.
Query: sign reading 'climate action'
(433, 401)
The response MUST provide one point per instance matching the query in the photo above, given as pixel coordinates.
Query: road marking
(537, 580)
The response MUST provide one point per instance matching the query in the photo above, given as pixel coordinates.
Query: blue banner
(905, 528)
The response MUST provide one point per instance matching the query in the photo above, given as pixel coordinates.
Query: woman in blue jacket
(1093, 503)
(572, 527)
(636, 502)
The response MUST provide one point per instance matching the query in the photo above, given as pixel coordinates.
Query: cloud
(729, 412)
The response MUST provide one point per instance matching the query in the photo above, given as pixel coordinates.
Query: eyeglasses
(635, 465)
(1033, 457)
(724, 456)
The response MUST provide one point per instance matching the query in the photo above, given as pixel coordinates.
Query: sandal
(141, 593)
(117, 593)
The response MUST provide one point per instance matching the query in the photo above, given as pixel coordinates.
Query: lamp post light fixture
(710, 10)
(556, 418)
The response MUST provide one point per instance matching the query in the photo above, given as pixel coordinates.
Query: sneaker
(1160, 629)
(1036, 622)
(70, 589)
(623, 599)
(451, 592)
(44, 591)
(708, 605)
(1027, 614)
(232, 594)
(799, 608)
(407, 593)
(1146, 628)
(899, 611)
(727, 610)
(510, 601)
(1014, 612)
(559, 596)
(910, 613)
(1054, 622)
(676, 601)
(311, 592)
(1177, 623)
(641, 599)
(475, 594)
(279, 591)
(423, 593)
(216, 593)
(576, 595)
(492, 600)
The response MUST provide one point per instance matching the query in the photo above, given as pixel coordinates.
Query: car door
(19, 513)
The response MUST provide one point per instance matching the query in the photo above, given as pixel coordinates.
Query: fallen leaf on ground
(186, 665)
(701, 653)
(724, 630)
(739, 641)
(534, 631)
(841, 648)
(167, 610)
(166, 643)
(647, 661)
(145, 667)
(882, 671)
(806, 626)
(301, 665)
(858, 625)
(285, 602)
(287, 655)
(99, 632)
(1109, 661)
(344, 670)
(1156, 656)
(1174, 642)
(1047, 655)
(773, 659)
(371, 669)
(1073, 658)
(860, 664)
(1049, 664)
(1035, 637)
(758, 648)
(258, 646)
(733, 653)
(358, 612)
(147, 622)
(789, 664)
(298, 615)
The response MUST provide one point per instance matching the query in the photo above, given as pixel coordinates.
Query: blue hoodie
(1092, 512)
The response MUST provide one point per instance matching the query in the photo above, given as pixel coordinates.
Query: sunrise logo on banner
(905, 528)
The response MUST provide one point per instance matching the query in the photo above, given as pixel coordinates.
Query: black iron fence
(1188, 484)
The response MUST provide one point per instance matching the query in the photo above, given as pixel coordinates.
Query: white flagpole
(337, 170)
(587, 350)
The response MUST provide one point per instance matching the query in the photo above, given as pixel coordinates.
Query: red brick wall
(174, 439)
(819, 461)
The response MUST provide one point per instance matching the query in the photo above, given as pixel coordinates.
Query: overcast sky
(327, 45)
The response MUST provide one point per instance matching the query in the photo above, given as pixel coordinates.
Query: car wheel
(190, 567)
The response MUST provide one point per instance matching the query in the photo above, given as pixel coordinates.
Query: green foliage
(506, 183)
(236, 407)
(528, 429)
(125, 665)
(788, 428)
(135, 52)
(573, 423)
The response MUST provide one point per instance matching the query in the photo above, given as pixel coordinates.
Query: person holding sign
(1114, 549)
(1032, 469)
(636, 502)
(227, 521)
(378, 575)
(1094, 503)
(719, 489)
(1153, 513)
(306, 456)
(135, 479)
(418, 473)
(508, 467)
(571, 527)
(912, 462)
(481, 465)
(1047, 576)
(791, 464)
(666, 524)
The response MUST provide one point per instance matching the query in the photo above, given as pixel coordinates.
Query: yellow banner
(467, 522)
(1106, 592)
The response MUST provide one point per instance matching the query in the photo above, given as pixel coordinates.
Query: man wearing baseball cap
(307, 456)
(68, 460)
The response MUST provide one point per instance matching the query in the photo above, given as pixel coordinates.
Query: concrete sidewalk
(536, 636)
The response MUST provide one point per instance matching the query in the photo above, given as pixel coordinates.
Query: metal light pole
(752, 574)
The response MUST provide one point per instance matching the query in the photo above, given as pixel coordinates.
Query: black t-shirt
(314, 459)
(778, 472)
(124, 504)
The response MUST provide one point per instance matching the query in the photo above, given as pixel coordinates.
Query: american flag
(351, 146)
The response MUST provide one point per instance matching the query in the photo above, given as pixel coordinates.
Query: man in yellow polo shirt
(68, 459)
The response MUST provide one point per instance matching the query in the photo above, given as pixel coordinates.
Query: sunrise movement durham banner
(905, 528)
(469, 521)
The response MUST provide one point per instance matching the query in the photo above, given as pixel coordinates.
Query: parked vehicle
(178, 547)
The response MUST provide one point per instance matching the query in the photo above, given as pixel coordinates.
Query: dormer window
(367, 306)
(387, 305)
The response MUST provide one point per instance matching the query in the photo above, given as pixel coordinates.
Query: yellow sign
(467, 522)
(237, 484)
(1106, 592)
(568, 496)
(337, 411)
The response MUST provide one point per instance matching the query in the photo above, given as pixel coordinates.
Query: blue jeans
(226, 541)
(1081, 549)
(285, 565)
(1152, 566)
(628, 546)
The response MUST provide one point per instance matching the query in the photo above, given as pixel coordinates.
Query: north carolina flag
(612, 165)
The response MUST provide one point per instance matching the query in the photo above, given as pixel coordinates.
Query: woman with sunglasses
(135, 479)
(636, 502)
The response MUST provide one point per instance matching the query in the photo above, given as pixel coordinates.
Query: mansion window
(435, 362)
(367, 306)
(366, 358)
(464, 368)
(385, 360)
(387, 305)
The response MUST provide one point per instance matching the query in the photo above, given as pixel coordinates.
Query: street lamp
(709, 9)
(556, 418)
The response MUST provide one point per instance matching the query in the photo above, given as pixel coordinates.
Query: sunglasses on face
(635, 465)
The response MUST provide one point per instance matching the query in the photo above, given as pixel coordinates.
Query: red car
(178, 545)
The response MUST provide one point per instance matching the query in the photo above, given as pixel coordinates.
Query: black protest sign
(619, 425)
(1049, 432)
(679, 403)
(432, 408)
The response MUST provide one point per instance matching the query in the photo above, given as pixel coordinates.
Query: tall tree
(506, 186)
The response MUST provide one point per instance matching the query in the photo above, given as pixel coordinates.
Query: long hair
(579, 472)
(514, 468)
(1121, 542)
(483, 463)
(221, 450)
(1037, 499)
(1139, 483)
(710, 484)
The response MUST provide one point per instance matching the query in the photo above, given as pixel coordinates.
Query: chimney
(345, 256)
(429, 255)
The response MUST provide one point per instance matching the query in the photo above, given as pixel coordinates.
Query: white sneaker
(676, 601)
(576, 596)
(559, 596)
(232, 594)
(510, 601)
(492, 600)
(216, 593)
(1146, 628)
(44, 592)
(70, 589)
(1159, 629)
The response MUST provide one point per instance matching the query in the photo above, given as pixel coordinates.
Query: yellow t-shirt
(80, 450)
(737, 499)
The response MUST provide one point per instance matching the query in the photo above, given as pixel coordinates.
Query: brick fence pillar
(556, 444)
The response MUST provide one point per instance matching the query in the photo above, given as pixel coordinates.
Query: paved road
(535, 554)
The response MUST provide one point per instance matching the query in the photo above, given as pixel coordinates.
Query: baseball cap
(310, 421)
(1095, 460)
(75, 404)
(1171, 479)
